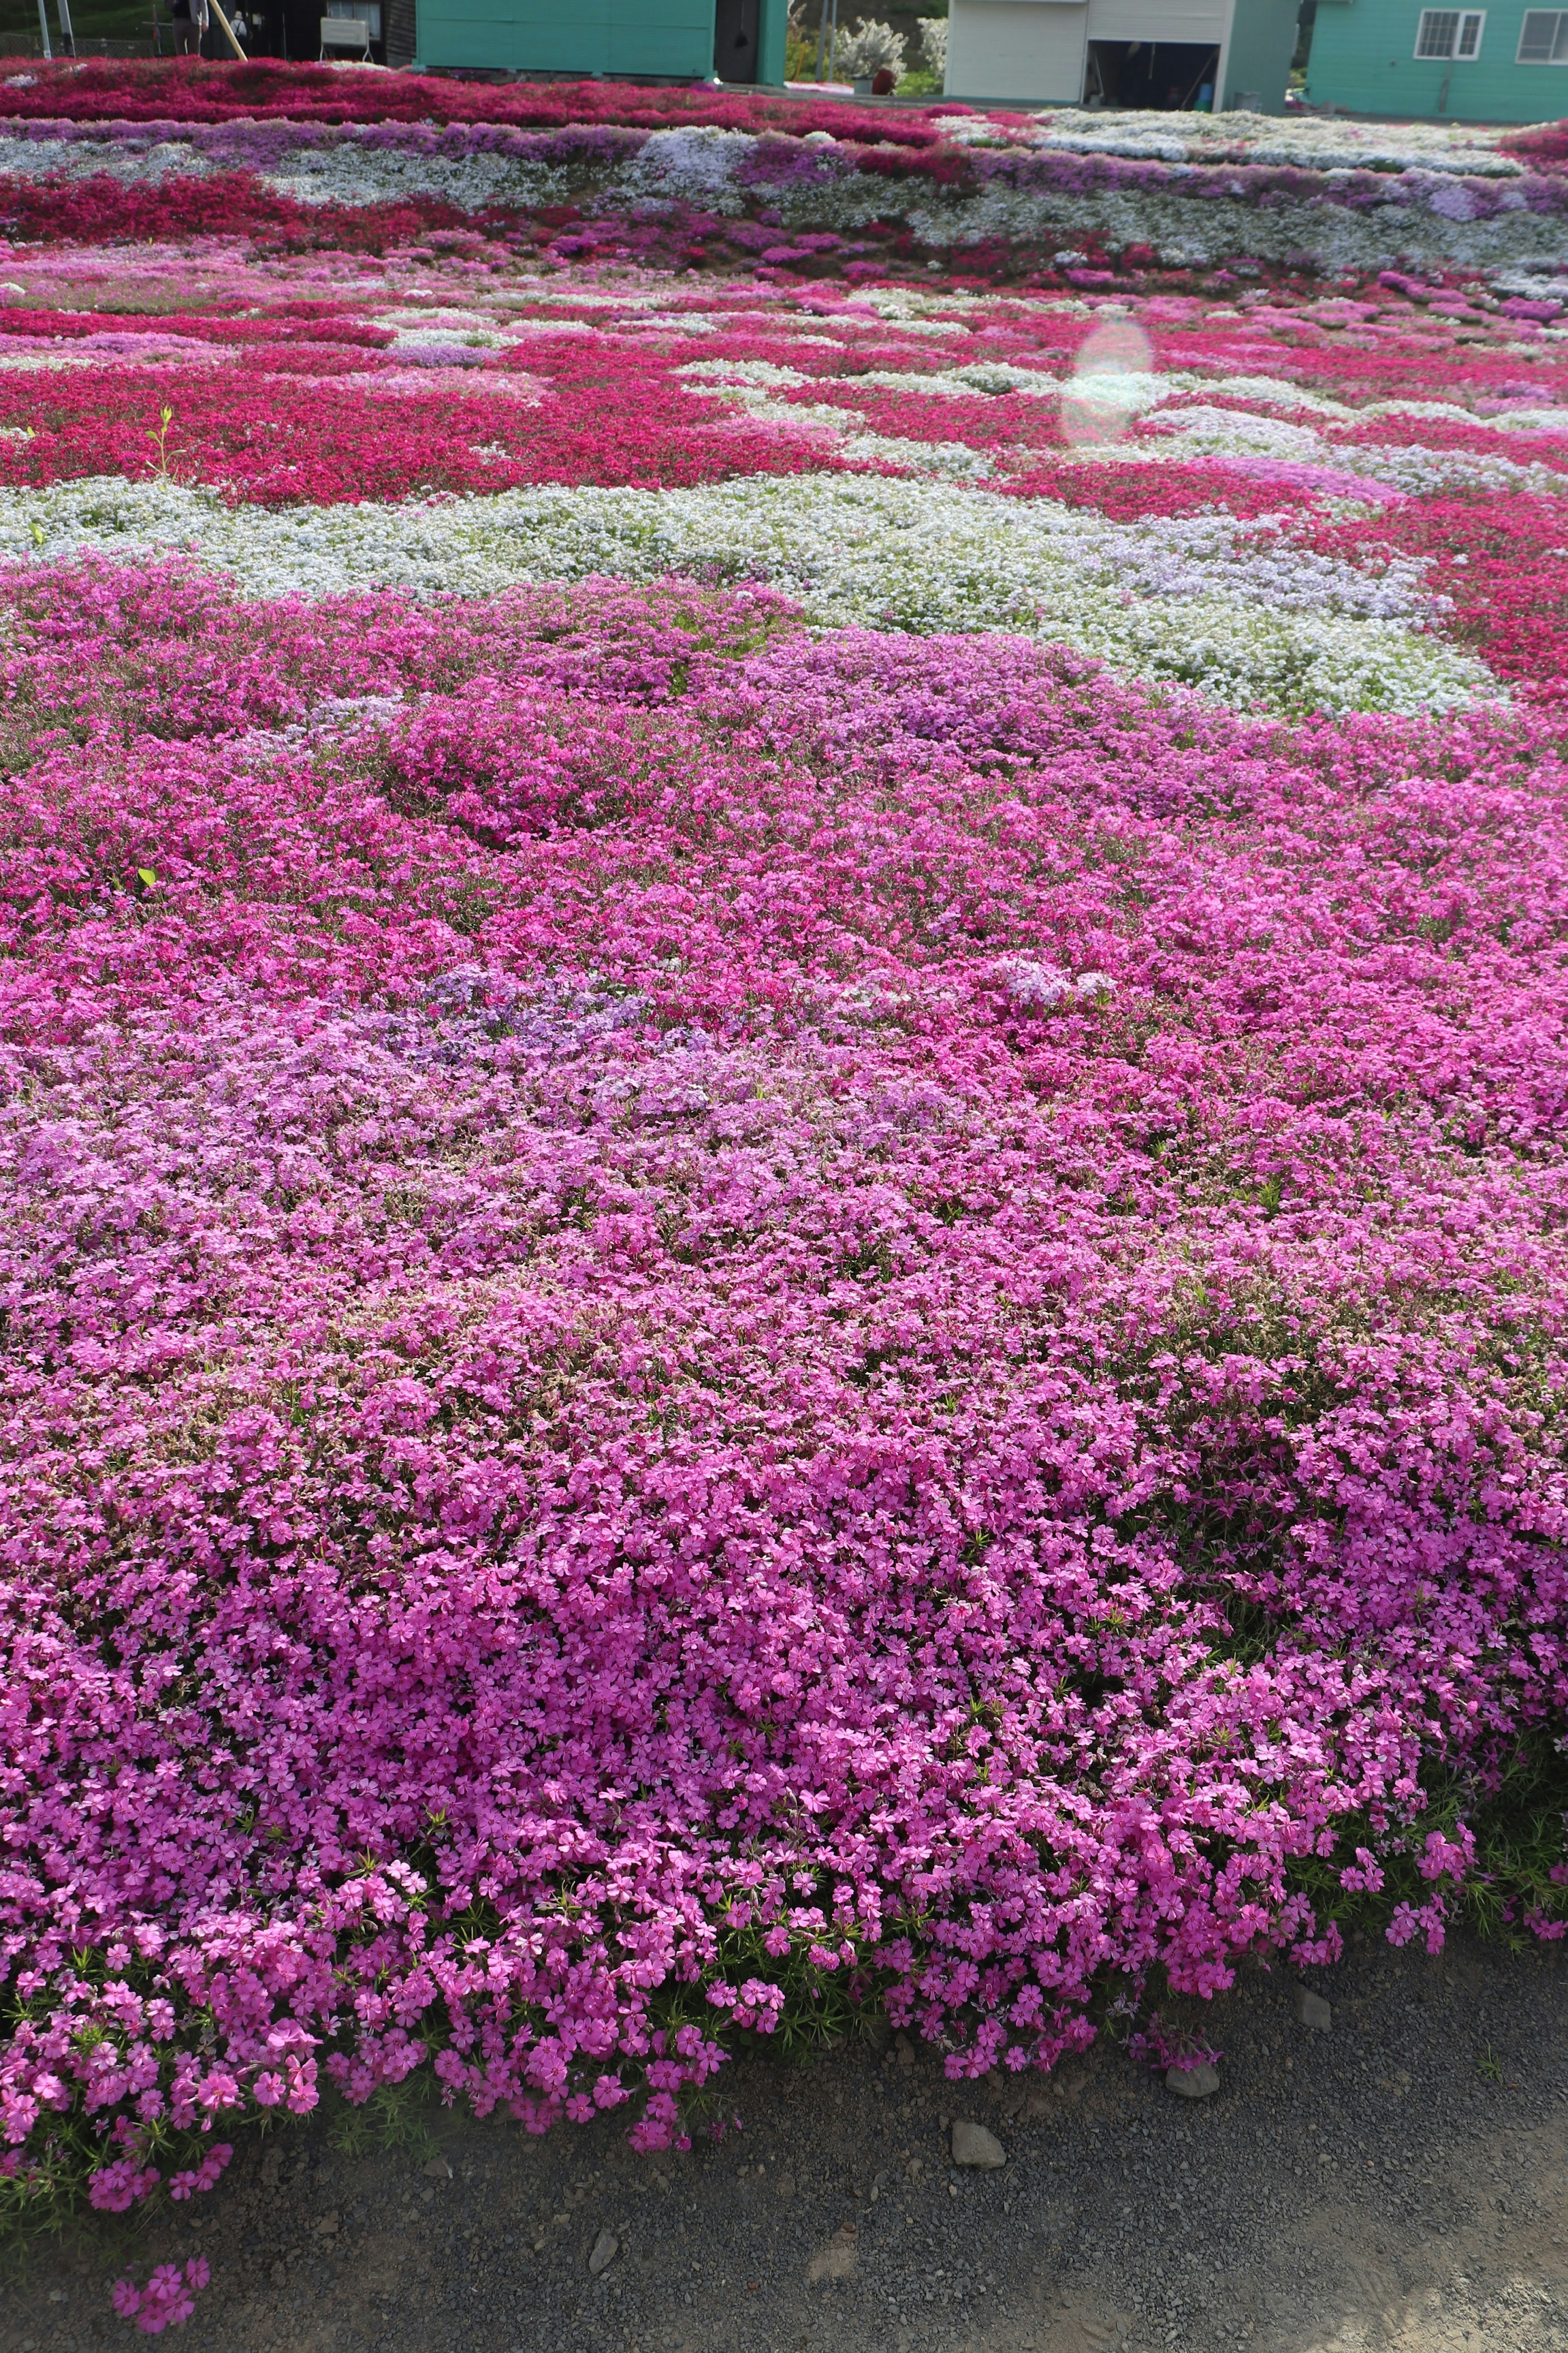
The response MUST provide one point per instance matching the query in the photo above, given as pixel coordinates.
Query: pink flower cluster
(321, 411)
(168, 2299)
(126, 91)
(698, 1321)
(284, 400)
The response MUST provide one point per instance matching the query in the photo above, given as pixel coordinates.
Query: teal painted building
(1506, 64)
(676, 40)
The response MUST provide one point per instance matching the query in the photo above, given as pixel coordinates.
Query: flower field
(784, 1089)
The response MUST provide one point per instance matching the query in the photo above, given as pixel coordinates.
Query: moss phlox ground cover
(782, 1085)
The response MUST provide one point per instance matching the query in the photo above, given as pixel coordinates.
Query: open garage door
(1170, 75)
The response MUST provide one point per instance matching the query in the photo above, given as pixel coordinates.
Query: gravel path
(1398, 2181)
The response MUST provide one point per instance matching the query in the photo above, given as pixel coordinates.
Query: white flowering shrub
(933, 45)
(866, 48)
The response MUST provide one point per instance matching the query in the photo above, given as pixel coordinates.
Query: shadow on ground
(1397, 2184)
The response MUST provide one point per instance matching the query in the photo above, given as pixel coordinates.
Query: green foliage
(1516, 1813)
(395, 2117)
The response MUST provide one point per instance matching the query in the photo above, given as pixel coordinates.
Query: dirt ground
(1398, 2181)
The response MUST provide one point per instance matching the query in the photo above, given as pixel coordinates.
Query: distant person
(187, 33)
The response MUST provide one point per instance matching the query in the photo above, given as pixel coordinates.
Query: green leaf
(145, 874)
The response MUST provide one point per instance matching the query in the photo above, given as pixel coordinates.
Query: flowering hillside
(785, 1088)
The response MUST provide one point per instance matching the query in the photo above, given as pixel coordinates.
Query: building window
(1543, 38)
(1450, 33)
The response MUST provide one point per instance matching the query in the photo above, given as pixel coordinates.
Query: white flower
(866, 48)
(696, 162)
(723, 373)
(1312, 143)
(1032, 984)
(1209, 431)
(1041, 986)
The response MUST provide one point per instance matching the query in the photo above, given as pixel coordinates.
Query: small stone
(973, 2145)
(607, 2247)
(436, 2168)
(786, 2185)
(904, 2050)
(837, 2259)
(1312, 2010)
(1192, 2082)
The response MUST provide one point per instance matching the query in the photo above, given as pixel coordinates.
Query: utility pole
(66, 35)
(44, 27)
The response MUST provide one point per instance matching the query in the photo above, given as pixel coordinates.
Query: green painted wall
(673, 37)
(1363, 59)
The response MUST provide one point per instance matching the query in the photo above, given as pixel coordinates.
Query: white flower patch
(681, 322)
(355, 174)
(1432, 473)
(694, 164)
(1258, 391)
(917, 313)
(426, 330)
(721, 375)
(1511, 420)
(1235, 611)
(27, 359)
(1189, 233)
(994, 377)
(545, 295)
(1041, 986)
(950, 461)
(77, 158)
(1536, 286)
(987, 377)
(1311, 144)
(1210, 431)
(1213, 432)
(833, 429)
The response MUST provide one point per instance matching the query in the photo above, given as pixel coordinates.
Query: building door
(737, 25)
(1174, 75)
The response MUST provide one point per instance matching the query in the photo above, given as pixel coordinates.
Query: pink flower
(168, 2299)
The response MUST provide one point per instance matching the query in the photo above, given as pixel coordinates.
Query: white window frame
(1456, 55)
(1559, 43)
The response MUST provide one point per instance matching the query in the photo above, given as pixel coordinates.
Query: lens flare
(1112, 379)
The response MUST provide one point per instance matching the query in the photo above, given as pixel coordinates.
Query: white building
(1213, 54)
